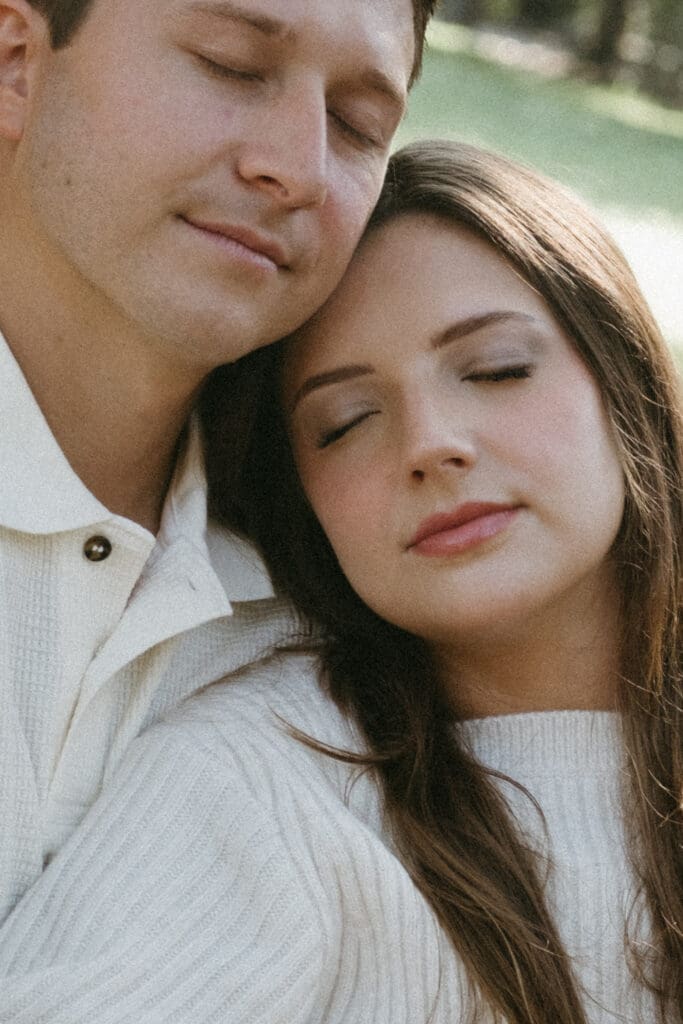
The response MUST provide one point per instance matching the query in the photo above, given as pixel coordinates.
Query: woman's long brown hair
(455, 832)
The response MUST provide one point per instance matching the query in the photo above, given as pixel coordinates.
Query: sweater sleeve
(175, 901)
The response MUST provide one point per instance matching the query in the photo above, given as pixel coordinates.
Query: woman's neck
(558, 659)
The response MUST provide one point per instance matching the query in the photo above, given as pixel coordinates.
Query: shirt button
(96, 549)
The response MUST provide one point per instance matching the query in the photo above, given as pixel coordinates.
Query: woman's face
(450, 440)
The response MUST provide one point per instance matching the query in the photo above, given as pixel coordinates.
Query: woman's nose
(438, 444)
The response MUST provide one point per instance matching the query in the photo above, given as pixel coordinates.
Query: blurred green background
(531, 92)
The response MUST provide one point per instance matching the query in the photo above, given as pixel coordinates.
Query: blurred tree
(467, 12)
(636, 41)
(667, 21)
(545, 13)
(663, 72)
(605, 50)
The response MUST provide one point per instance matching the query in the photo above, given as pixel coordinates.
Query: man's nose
(287, 156)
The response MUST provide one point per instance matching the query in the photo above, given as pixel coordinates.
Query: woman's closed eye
(332, 434)
(496, 375)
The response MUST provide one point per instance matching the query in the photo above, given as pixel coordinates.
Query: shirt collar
(238, 565)
(235, 561)
(43, 495)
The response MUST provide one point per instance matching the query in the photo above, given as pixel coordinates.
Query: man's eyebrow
(475, 323)
(230, 11)
(321, 380)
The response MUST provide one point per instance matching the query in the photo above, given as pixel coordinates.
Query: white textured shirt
(93, 652)
(228, 874)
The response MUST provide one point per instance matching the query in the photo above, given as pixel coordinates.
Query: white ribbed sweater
(230, 874)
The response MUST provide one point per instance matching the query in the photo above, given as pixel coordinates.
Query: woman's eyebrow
(452, 333)
(470, 324)
(336, 376)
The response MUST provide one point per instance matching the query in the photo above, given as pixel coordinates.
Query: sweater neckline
(575, 742)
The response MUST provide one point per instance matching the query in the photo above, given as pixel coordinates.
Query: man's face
(203, 169)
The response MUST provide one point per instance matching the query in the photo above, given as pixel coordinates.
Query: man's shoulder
(270, 727)
(268, 735)
(274, 697)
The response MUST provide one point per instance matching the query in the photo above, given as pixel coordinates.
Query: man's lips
(464, 527)
(261, 246)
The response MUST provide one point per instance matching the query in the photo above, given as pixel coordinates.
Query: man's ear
(23, 32)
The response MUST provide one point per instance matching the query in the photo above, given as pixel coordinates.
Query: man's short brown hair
(63, 17)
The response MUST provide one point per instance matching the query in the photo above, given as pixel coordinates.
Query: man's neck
(117, 427)
(115, 405)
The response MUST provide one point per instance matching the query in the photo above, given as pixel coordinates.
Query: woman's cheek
(338, 508)
(347, 508)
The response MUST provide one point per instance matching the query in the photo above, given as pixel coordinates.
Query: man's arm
(175, 901)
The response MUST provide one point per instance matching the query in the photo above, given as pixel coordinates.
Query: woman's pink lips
(464, 528)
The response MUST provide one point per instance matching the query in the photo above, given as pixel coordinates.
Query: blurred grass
(621, 152)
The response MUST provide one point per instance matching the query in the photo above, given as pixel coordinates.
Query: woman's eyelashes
(498, 374)
(332, 434)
